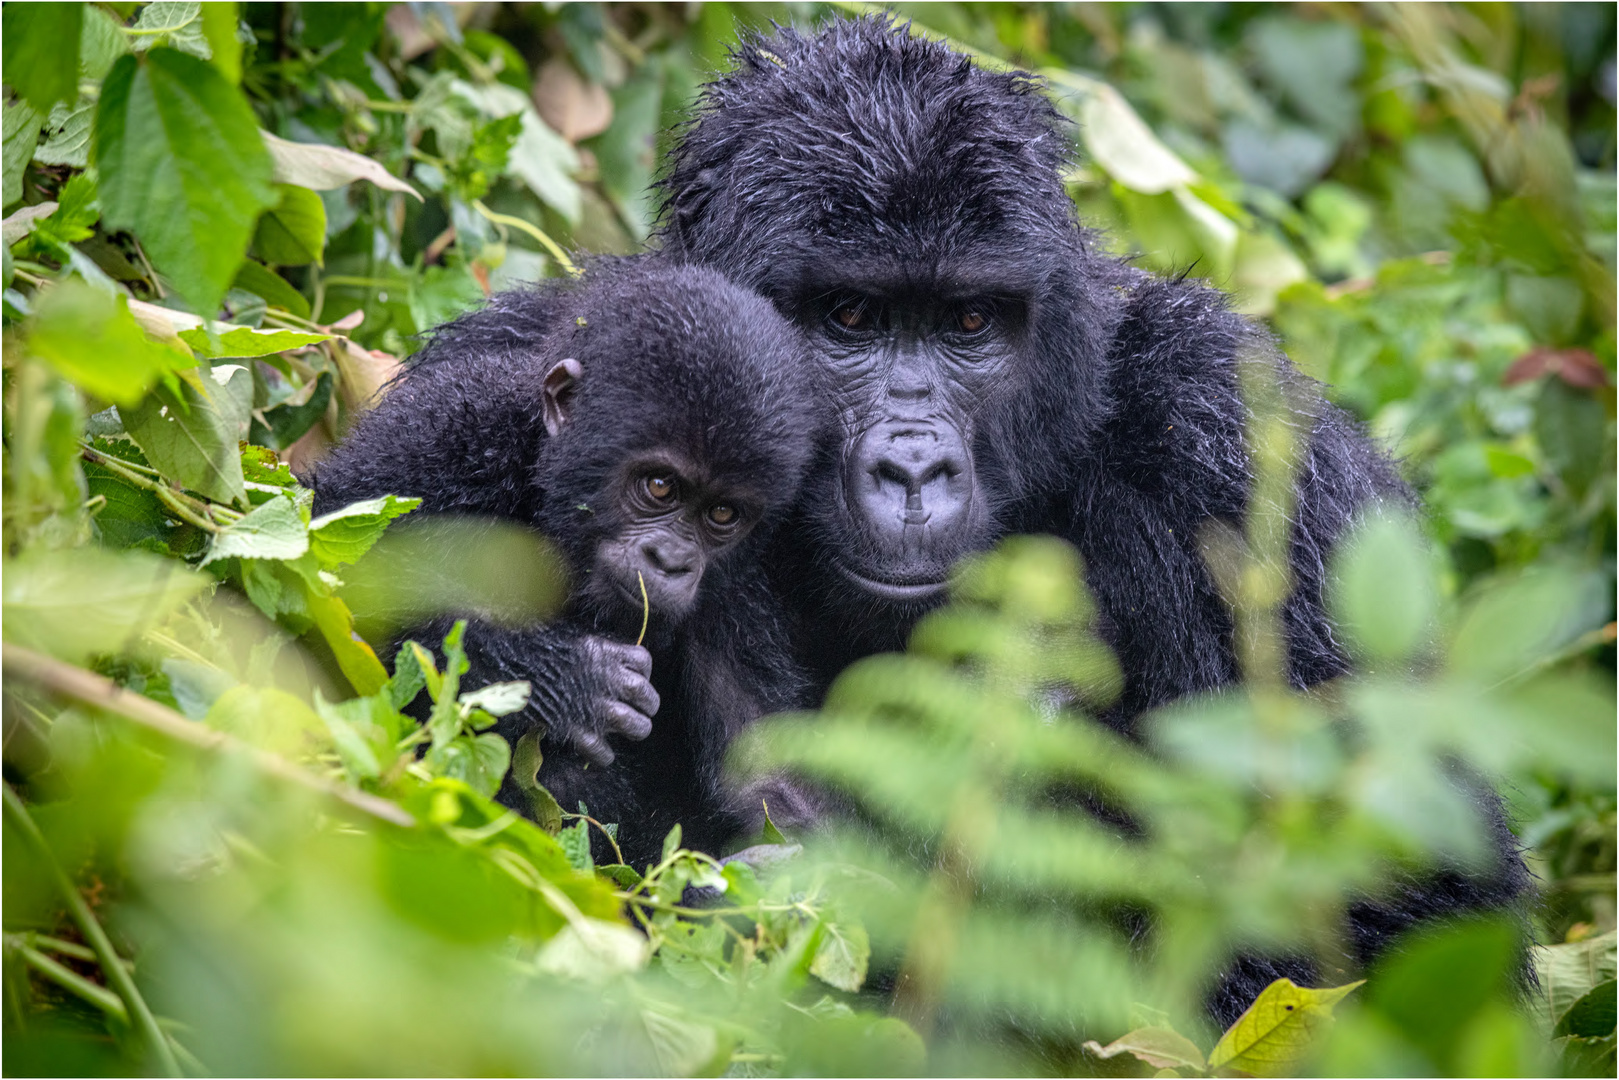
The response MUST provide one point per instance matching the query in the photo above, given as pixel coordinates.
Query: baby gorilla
(653, 421)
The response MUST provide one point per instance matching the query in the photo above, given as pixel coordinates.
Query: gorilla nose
(670, 558)
(913, 477)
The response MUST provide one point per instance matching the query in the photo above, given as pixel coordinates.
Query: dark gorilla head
(908, 210)
(680, 421)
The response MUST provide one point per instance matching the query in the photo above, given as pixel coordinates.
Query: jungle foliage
(230, 850)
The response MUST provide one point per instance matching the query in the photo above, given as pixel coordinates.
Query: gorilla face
(913, 374)
(908, 212)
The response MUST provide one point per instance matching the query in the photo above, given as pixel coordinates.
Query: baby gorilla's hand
(622, 701)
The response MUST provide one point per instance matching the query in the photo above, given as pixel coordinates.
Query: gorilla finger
(593, 747)
(637, 693)
(627, 722)
(634, 657)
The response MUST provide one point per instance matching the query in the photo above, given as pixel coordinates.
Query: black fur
(862, 158)
(673, 358)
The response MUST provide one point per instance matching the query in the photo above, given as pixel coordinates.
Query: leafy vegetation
(231, 850)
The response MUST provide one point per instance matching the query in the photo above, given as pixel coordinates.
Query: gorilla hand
(620, 701)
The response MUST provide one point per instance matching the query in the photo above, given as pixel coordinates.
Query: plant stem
(166, 495)
(103, 693)
(532, 230)
(74, 983)
(123, 983)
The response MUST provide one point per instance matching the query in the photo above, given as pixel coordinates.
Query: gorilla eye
(852, 316)
(661, 488)
(971, 322)
(722, 515)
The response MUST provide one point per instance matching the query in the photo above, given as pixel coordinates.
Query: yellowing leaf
(1278, 1030)
(1158, 1047)
(323, 168)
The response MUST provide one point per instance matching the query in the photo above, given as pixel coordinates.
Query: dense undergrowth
(229, 851)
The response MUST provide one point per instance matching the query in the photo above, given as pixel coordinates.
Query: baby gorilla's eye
(971, 322)
(722, 515)
(661, 488)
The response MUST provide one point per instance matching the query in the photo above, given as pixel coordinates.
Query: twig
(123, 984)
(166, 495)
(533, 230)
(103, 693)
(603, 828)
(646, 609)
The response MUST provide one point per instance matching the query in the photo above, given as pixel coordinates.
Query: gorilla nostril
(888, 471)
(671, 563)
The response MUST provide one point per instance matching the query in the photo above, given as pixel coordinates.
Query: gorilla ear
(561, 383)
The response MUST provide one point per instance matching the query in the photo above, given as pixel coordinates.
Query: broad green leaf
(1279, 1029)
(21, 130)
(497, 699)
(355, 658)
(320, 167)
(270, 719)
(1125, 147)
(683, 1047)
(842, 955)
(342, 536)
(274, 530)
(1384, 593)
(176, 23)
(76, 602)
(293, 231)
(478, 761)
(263, 282)
(364, 745)
(542, 805)
(1161, 1048)
(407, 680)
(75, 215)
(101, 44)
(39, 50)
(575, 841)
(288, 422)
(219, 30)
(191, 436)
(622, 877)
(1593, 1015)
(592, 950)
(181, 165)
(92, 339)
(244, 341)
(1569, 972)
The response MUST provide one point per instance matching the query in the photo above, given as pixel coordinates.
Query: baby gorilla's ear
(561, 383)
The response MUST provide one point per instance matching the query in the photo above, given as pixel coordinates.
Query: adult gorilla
(994, 374)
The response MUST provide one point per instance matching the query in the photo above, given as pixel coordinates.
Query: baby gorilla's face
(673, 523)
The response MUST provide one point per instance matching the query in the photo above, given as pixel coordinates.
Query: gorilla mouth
(911, 590)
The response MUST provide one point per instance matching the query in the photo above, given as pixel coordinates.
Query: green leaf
(191, 436)
(1384, 593)
(76, 602)
(622, 877)
(407, 680)
(92, 339)
(293, 232)
(842, 955)
(1592, 1016)
(270, 719)
(219, 30)
(1569, 972)
(1161, 1048)
(263, 282)
(322, 168)
(344, 535)
(244, 341)
(1278, 1030)
(39, 50)
(289, 422)
(364, 745)
(671, 843)
(478, 761)
(772, 835)
(75, 215)
(497, 699)
(176, 23)
(182, 166)
(22, 125)
(575, 841)
(273, 530)
(101, 44)
(1118, 140)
